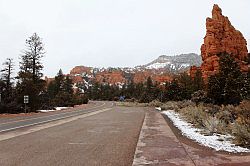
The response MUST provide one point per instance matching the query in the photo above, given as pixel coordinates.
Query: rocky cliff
(221, 37)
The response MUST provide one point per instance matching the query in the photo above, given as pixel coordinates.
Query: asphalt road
(108, 137)
(10, 124)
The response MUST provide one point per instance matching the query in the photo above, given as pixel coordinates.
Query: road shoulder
(157, 144)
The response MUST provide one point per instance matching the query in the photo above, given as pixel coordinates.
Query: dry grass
(195, 115)
(131, 104)
(234, 120)
(242, 134)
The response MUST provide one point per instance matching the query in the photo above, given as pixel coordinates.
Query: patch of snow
(158, 108)
(185, 65)
(46, 110)
(56, 109)
(61, 108)
(172, 66)
(214, 141)
(157, 65)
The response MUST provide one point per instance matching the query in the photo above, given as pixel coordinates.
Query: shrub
(211, 124)
(170, 105)
(199, 96)
(155, 103)
(242, 134)
(195, 115)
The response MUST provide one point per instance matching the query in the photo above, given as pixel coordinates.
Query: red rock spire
(221, 37)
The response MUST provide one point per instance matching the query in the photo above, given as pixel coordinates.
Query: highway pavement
(102, 135)
(26, 121)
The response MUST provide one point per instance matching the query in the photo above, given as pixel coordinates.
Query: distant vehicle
(121, 98)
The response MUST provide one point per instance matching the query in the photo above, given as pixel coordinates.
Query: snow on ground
(157, 65)
(56, 109)
(214, 141)
(61, 108)
(46, 110)
(158, 108)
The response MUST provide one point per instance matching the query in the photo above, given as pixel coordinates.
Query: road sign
(26, 99)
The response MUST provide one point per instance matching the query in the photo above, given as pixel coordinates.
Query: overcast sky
(102, 33)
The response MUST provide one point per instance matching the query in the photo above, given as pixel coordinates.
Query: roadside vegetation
(29, 82)
(222, 105)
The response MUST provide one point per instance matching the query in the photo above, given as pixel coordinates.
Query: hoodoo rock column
(221, 37)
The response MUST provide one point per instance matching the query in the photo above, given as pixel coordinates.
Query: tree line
(29, 82)
(228, 86)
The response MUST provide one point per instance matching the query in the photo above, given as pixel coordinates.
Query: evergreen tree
(174, 91)
(185, 84)
(59, 79)
(130, 90)
(7, 80)
(56, 85)
(147, 95)
(139, 89)
(52, 89)
(67, 86)
(226, 87)
(30, 74)
(198, 82)
(7, 74)
(246, 88)
(95, 91)
(215, 88)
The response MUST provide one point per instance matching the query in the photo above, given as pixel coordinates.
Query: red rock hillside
(113, 77)
(221, 37)
(78, 70)
(79, 74)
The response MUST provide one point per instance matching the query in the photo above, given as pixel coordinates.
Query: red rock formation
(221, 37)
(112, 78)
(76, 79)
(162, 78)
(141, 77)
(80, 69)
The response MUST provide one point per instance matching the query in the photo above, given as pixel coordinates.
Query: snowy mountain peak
(175, 63)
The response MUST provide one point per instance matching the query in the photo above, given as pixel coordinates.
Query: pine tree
(7, 74)
(215, 89)
(67, 86)
(198, 82)
(185, 84)
(147, 96)
(59, 79)
(7, 78)
(226, 87)
(30, 74)
(246, 88)
(95, 91)
(174, 91)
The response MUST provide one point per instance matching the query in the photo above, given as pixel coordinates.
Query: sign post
(25, 101)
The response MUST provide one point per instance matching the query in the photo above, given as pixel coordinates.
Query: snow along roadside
(213, 141)
(56, 109)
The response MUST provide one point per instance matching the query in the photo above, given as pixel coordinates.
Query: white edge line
(28, 125)
(49, 115)
(56, 123)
